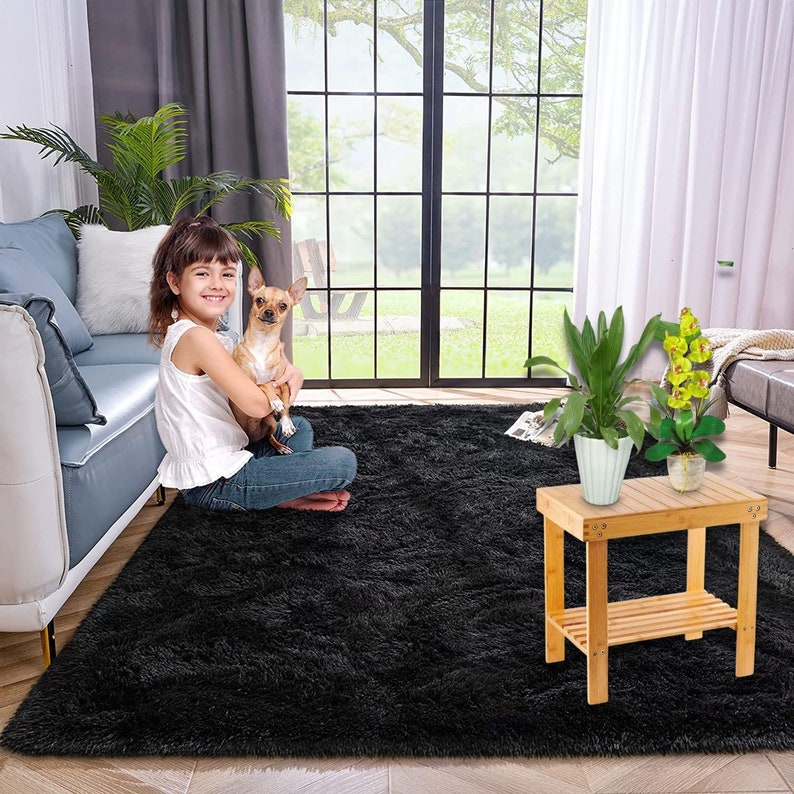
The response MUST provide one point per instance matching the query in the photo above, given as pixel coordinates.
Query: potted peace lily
(678, 414)
(595, 414)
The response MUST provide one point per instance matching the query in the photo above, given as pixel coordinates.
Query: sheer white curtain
(688, 158)
(46, 80)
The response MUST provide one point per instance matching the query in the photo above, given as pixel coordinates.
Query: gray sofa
(80, 448)
(764, 388)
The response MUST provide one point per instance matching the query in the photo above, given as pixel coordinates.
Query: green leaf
(611, 436)
(708, 426)
(660, 450)
(709, 450)
(684, 424)
(634, 426)
(537, 361)
(572, 413)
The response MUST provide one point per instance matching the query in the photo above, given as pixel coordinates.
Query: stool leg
(695, 568)
(554, 574)
(597, 630)
(746, 602)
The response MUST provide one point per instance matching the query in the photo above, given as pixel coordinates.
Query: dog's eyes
(282, 307)
(260, 301)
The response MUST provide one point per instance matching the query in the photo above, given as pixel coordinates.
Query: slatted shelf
(650, 618)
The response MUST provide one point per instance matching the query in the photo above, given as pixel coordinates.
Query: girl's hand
(292, 376)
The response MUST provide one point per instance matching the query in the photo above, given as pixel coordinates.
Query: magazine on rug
(531, 426)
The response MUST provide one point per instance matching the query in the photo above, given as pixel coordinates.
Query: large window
(434, 159)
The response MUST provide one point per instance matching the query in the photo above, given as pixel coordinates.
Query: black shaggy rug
(409, 625)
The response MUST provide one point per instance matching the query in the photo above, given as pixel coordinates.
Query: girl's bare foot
(333, 501)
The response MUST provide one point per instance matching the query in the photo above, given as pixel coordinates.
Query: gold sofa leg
(160, 495)
(48, 643)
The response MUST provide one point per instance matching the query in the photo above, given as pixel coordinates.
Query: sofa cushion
(21, 272)
(114, 273)
(105, 468)
(71, 398)
(120, 349)
(48, 240)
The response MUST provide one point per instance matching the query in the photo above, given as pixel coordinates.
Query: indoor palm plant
(678, 418)
(134, 190)
(595, 413)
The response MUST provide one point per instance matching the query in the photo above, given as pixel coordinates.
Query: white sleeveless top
(199, 432)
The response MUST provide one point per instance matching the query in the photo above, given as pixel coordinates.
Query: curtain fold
(687, 159)
(225, 63)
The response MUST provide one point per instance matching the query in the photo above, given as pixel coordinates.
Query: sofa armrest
(34, 553)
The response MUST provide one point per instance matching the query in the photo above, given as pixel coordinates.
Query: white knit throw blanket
(732, 344)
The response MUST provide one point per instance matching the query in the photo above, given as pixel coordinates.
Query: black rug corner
(411, 624)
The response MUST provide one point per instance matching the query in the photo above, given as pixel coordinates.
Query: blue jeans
(269, 479)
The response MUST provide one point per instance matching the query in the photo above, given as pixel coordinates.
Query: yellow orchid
(699, 383)
(680, 397)
(688, 323)
(700, 349)
(674, 345)
(679, 419)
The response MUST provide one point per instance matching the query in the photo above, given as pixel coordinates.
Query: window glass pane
(303, 52)
(308, 218)
(563, 46)
(548, 336)
(310, 344)
(306, 126)
(350, 55)
(462, 241)
(555, 226)
(515, 48)
(467, 29)
(399, 313)
(558, 161)
(399, 241)
(510, 241)
(353, 345)
(506, 334)
(352, 241)
(400, 144)
(400, 29)
(460, 346)
(465, 143)
(513, 145)
(350, 142)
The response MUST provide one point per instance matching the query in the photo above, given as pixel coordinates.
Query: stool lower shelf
(688, 613)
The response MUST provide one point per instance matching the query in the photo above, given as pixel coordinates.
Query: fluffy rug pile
(410, 624)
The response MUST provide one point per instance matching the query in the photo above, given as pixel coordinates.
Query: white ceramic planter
(686, 471)
(601, 468)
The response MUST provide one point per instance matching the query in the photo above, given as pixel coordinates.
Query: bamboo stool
(646, 506)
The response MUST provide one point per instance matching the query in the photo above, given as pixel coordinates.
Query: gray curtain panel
(224, 61)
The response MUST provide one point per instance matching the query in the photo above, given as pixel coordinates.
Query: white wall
(46, 80)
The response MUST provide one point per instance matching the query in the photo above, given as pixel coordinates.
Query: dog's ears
(255, 280)
(297, 289)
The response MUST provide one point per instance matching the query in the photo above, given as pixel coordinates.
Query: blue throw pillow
(71, 398)
(20, 273)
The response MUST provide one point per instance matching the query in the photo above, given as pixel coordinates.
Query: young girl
(207, 454)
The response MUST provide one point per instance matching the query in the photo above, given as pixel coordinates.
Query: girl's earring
(175, 314)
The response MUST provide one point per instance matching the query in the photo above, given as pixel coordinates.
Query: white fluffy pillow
(113, 276)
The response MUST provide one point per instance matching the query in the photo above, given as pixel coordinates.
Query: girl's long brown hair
(188, 240)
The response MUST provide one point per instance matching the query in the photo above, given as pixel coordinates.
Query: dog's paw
(287, 427)
(284, 450)
(276, 404)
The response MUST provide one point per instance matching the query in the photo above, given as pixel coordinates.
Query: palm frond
(248, 255)
(254, 229)
(148, 145)
(55, 142)
(85, 214)
(224, 183)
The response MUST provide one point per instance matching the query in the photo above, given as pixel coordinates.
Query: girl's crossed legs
(308, 479)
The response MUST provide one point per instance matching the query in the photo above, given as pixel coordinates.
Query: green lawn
(461, 348)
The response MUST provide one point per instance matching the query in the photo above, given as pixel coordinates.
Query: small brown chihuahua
(259, 354)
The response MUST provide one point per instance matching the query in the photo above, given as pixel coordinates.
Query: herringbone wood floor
(745, 443)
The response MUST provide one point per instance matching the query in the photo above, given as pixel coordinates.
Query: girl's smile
(204, 291)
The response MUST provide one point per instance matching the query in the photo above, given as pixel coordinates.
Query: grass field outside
(504, 336)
